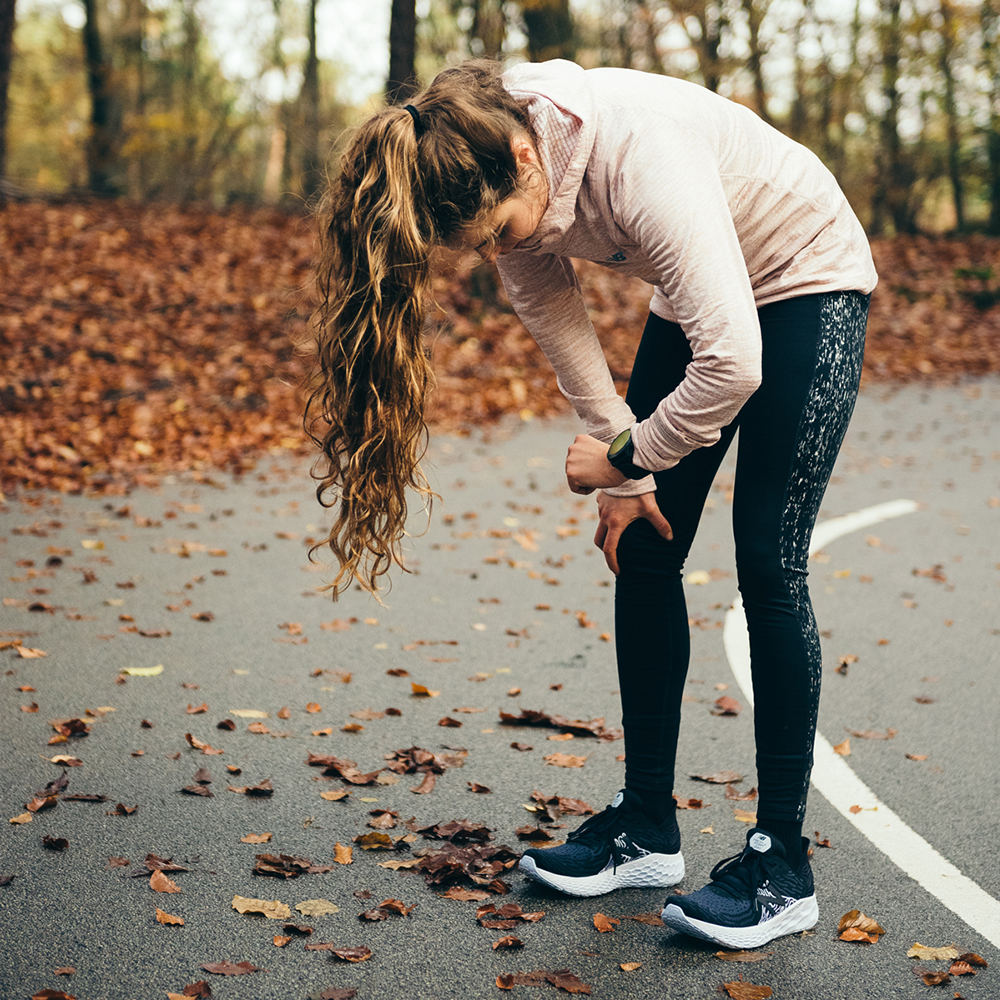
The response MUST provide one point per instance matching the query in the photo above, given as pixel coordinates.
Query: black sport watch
(620, 456)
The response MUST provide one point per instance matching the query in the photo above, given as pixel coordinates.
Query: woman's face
(517, 217)
(512, 221)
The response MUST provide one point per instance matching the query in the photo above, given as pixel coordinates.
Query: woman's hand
(617, 513)
(587, 466)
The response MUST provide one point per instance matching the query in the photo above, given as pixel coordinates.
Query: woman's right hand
(617, 513)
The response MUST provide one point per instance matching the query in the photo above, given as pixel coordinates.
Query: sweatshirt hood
(561, 107)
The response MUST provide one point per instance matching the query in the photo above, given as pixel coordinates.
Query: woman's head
(407, 183)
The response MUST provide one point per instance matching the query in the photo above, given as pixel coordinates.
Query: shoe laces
(598, 828)
(742, 874)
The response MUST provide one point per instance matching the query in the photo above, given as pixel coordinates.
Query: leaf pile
(141, 340)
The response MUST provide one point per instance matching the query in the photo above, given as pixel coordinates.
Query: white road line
(842, 788)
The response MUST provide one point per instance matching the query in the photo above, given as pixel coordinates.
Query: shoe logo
(618, 800)
(772, 904)
(622, 841)
(760, 842)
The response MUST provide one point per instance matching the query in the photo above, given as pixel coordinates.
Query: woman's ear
(525, 154)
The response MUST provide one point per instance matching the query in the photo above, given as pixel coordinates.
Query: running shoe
(754, 897)
(618, 848)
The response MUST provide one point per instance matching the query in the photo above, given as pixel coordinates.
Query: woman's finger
(610, 548)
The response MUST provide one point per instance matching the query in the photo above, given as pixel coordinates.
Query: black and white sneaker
(618, 848)
(753, 898)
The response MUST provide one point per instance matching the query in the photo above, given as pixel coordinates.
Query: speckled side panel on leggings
(827, 412)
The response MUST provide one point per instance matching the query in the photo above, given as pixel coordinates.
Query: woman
(762, 276)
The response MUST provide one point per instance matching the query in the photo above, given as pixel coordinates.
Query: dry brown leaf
(564, 760)
(605, 923)
(343, 855)
(630, 966)
(166, 918)
(255, 838)
(744, 956)
(159, 882)
(739, 990)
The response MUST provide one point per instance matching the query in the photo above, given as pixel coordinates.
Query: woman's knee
(645, 555)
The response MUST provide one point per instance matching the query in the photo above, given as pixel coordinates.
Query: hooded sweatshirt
(658, 178)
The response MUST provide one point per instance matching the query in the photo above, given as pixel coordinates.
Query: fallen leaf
(844, 749)
(280, 940)
(159, 882)
(508, 942)
(342, 854)
(744, 956)
(249, 713)
(316, 907)
(55, 843)
(856, 920)
(338, 993)
(336, 795)
(419, 691)
(143, 671)
(919, 950)
(273, 909)
(932, 977)
(166, 918)
(564, 760)
(604, 923)
(739, 990)
(230, 968)
(465, 895)
(22, 818)
(255, 838)
(727, 706)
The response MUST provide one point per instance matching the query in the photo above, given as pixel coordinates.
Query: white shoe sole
(800, 916)
(650, 872)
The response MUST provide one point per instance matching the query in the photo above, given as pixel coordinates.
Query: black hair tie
(418, 125)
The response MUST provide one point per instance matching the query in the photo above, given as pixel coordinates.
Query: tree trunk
(6, 53)
(402, 81)
(989, 19)
(100, 144)
(756, 10)
(132, 36)
(489, 29)
(888, 199)
(949, 38)
(549, 26)
(310, 162)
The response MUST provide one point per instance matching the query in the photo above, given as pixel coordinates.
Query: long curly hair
(405, 185)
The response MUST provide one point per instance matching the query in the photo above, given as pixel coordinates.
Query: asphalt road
(506, 538)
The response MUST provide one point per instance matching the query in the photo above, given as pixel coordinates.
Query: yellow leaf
(697, 578)
(255, 838)
(343, 855)
(630, 966)
(335, 796)
(316, 907)
(92, 543)
(420, 691)
(23, 818)
(273, 909)
(26, 653)
(143, 671)
(923, 951)
(248, 713)
(844, 749)
(742, 816)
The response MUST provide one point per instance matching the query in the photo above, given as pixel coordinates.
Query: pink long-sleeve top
(659, 178)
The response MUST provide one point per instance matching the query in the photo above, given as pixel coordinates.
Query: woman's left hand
(587, 466)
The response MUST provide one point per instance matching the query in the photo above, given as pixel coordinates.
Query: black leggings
(790, 432)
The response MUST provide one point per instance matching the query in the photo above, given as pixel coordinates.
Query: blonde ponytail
(397, 195)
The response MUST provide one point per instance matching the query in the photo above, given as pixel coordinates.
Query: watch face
(619, 442)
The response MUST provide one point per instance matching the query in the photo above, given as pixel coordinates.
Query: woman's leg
(652, 634)
(790, 433)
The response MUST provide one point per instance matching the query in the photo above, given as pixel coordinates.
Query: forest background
(158, 159)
